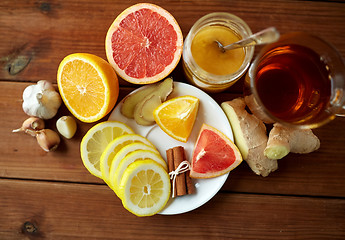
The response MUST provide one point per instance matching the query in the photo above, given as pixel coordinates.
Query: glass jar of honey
(205, 64)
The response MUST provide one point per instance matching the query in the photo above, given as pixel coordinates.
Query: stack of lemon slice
(130, 164)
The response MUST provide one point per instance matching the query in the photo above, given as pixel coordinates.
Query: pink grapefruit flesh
(214, 154)
(144, 43)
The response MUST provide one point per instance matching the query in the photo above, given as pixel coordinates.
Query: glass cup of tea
(298, 81)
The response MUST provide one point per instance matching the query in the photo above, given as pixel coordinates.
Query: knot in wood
(17, 64)
(29, 227)
(45, 7)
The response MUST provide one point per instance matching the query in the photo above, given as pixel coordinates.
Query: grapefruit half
(144, 43)
(214, 154)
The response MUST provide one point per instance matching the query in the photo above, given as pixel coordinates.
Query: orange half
(88, 86)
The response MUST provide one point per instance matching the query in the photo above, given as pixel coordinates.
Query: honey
(204, 63)
(210, 57)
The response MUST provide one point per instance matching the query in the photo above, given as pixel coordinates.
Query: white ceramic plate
(210, 113)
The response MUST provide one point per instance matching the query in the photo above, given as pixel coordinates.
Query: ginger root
(283, 140)
(260, 151)
(257, 109)
(250, 137)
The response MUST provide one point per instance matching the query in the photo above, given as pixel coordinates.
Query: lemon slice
(130, 158)
(145, 188)
(113, 147)
(176, 117)
(123, 153)
(96, 140)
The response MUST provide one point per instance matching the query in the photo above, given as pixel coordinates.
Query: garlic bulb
(41, 100)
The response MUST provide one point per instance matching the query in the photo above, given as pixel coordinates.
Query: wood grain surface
(52, 195)
(45, 209)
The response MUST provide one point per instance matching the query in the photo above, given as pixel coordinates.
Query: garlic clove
(32, 123)
(31, 132)
(66, 126)
(47, 139)
(37, 124)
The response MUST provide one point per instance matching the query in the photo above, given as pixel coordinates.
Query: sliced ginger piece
(162, 90)
(149, 105)
(131, 102)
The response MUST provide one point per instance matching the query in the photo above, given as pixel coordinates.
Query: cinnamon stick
(178, 154)
(171, 166)
(183, 183)
(189, 182)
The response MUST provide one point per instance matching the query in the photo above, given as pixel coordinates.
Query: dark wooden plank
(45, 32)
(81, 211)
(318, 174)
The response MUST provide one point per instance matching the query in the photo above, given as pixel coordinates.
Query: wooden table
(52, 195)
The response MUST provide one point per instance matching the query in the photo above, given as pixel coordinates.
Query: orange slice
(214, 154)
(176, 116)
(88, 86)
(144, 43)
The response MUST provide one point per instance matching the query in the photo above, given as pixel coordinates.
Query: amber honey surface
(209, 56)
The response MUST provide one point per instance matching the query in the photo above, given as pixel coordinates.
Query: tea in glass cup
(298, 81)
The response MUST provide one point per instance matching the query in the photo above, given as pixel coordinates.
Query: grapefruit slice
(144, 43)
(214, 154)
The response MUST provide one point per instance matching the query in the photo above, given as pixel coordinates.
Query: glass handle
(339, 101)
(341, 113)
